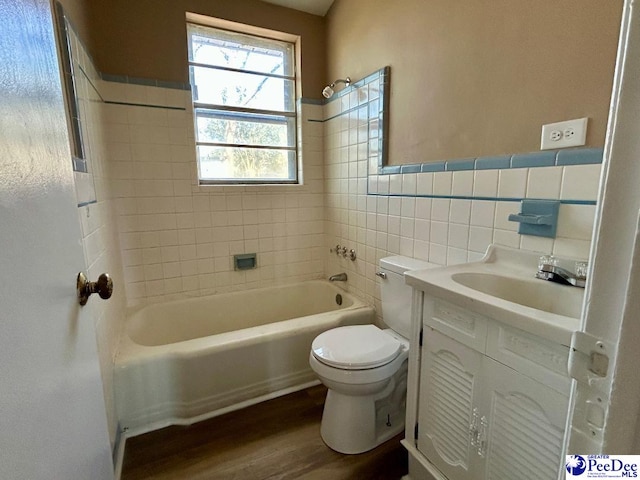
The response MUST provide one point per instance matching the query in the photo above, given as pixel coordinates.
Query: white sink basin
(539, 294)
(502, 286)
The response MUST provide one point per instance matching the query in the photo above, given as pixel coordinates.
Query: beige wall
(479, 78)
(77, 11)
(147, 38)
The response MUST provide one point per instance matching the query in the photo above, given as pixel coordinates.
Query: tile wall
(97, 218)
(447, 212)
(178, 238)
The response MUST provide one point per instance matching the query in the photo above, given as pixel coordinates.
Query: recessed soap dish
(245, 261)
(537, 217)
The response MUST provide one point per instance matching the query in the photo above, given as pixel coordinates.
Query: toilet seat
(358, 347)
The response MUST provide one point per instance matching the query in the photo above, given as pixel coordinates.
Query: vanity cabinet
(490, 402)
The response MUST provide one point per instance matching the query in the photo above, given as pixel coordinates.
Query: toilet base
(354, 424)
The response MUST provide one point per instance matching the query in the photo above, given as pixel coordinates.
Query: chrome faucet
(548, 269)
(340, 277)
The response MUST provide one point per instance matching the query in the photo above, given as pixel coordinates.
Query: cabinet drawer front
(467, 327)
(533, 356)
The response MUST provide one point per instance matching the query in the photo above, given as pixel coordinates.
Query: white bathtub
(187, 360)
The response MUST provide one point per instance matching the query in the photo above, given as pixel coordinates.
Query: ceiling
(316, 7)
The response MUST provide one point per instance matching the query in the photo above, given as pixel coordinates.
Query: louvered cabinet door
(448, 389)
(526, 425)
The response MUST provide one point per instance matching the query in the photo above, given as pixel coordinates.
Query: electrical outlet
(572, 133)
(555, 135)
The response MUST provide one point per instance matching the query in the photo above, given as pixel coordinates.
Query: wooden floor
(278, 439)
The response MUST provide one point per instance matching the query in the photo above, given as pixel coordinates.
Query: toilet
(365, 368)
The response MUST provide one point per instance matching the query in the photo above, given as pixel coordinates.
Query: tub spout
(340, 277)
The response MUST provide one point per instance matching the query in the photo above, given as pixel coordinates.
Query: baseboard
(419, 467)
(118, 452)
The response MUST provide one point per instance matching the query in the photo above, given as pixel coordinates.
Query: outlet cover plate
(571, 133)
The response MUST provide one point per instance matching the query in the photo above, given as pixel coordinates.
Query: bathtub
(187, 360)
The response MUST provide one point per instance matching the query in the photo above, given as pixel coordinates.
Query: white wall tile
(460, 211)
(462, 183)
(480, 238)
(456, 256)
(576, 221)
(458, 236)
(409, 184)
(442, 183)
(438, 254)
(395, 184)
(580, 182)
(440, 209)
(424, 183)
(544, 182)
(482, 213)
(536, 244)
(439, 232)
(512, 183)
(485, 183)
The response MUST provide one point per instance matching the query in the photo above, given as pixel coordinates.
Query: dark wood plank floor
(274, 440)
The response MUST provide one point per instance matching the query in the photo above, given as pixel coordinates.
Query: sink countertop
(508, 263)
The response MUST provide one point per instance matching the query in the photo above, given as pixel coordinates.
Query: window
(243, 90)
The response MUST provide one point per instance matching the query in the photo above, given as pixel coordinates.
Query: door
(449, 390)
(52, 415)
(604, 419)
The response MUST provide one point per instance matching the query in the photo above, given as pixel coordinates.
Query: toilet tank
(396, 295)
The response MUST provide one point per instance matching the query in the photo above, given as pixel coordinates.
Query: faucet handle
(547, 260)
(581, 269)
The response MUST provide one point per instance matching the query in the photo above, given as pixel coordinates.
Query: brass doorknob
(103, 287)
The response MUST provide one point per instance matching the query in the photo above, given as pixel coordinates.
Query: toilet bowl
(365, 369)
(359, 391)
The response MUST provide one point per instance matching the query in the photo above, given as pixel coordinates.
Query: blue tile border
(433, 167)
(147, 105)
(577, 156)
(583, 156)
(535, 159)
(457, 165)
(392, 169)
(490, 199)
(559, 158)
(492, 163)
(311, 101)
(409, 168)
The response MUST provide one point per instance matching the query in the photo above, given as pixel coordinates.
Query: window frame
(290, 119)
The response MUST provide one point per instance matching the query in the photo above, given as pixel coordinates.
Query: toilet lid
(355, 347)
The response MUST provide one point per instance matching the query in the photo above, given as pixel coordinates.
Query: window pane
(235, 50)
(244, 129)
(251, 164)
(245, 90)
